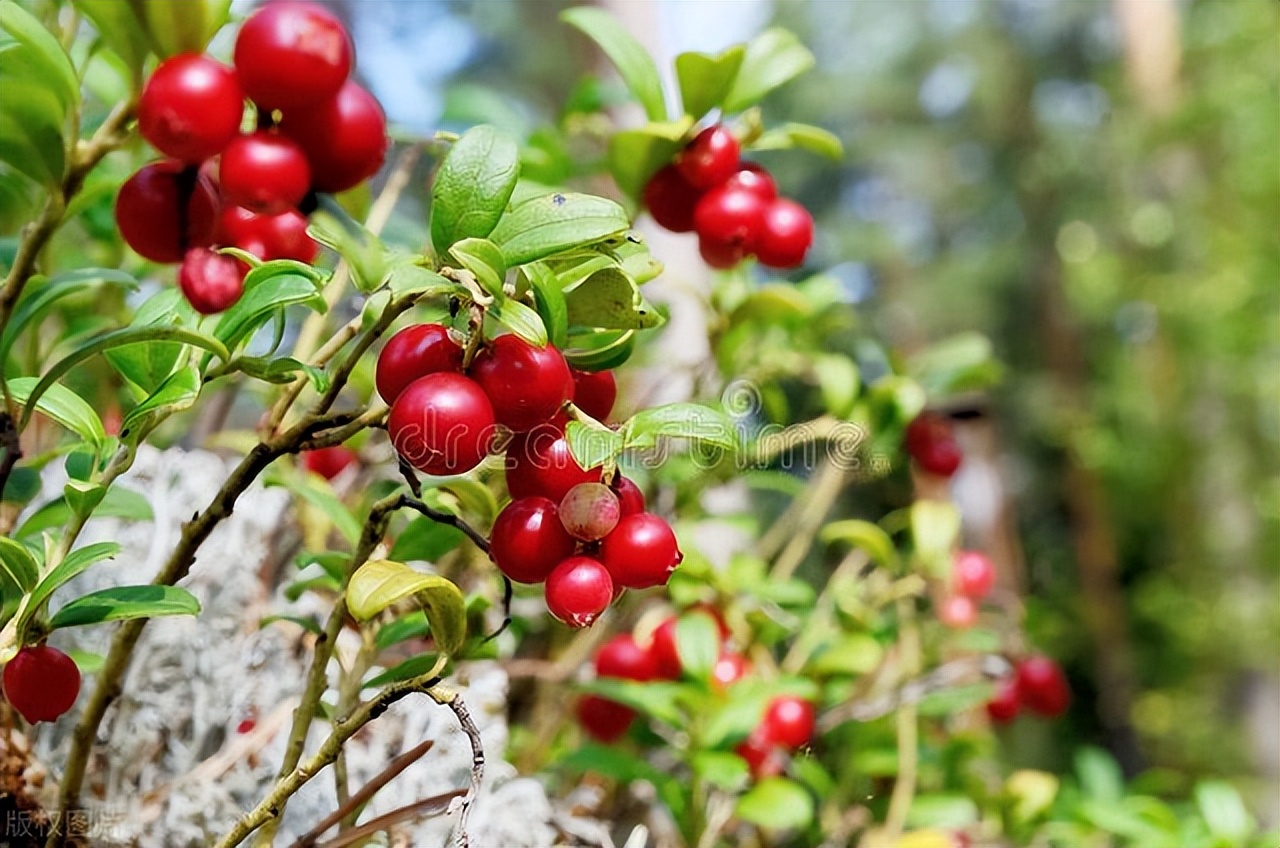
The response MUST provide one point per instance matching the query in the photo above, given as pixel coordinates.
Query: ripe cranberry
(265, 172)
(670, 200)
(528, 541)
(729, 221)
(578, 590)
(786, 234)
(1042, 686)
(329, 462)
(788, 721)
(594, 392)
(414, 352)
(212, 282)
(526, 384)
(345, 138)
(666, 654)
(246, 725)
(730, 667)
(755, 178)
(604, 720)
(190, 107)
(292, 54)
(590, 511)
(722, 256)
(166, 208)
(1004, 705)
(972, 574)
(441, 424)
(540, 463)
(623, 658)
(282, 236)
(710, 159)
(630, 498)
(765, 759)
(641, 551)
(958, 611)
(932, 445)
(41, 682)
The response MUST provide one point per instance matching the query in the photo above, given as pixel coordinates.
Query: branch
(477, 764)
(958, 672)
(449, 518)
(430, 806)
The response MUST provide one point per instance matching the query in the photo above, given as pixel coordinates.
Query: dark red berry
(441, 424)
(786, 234)
(930, 442)
(329, 462)
(414, 352)
(972, 574)
(265, 172)
(268, 237)
(212, 282)
(190, 107)
(1042, 686)
(710, 159)
(670, 200)
(540, 463)
(630, 498)
(641, 551)
(291, 55)
(604, 720)
(622, 657)
(1004, 705)
(594, 392)
(665, 652)
(166, 208)
(728, 220)
(721, 256)
(528, 540)
(753, 177)
(578, 590)
(764, 759)
(526, 384)
(345, 138)
(788, 721)
(246, 725)
(958, 611)
(41, 683)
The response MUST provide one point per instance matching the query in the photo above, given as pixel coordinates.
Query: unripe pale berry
(972, 574)
(590, 511)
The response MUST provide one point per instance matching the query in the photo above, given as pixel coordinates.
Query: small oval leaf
(379, 584)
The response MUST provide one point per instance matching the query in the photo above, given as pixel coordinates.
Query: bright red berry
(265, 172)
(212, 282)
(604, 720)
(526, 384)
(291, 55)
(623, 658)
(930, 442)
(641, 551)
(1004, 705)
(972, 574)
(594, 392)
(764, 758)
(710, 159)
(958, 611)
(528, 540)
(415, 351)
(729, 222)
(630, 498)
(345, 138)
(149, 211)
(590, 511)
(329, 462)
(730, 667)
(755, 178)
(578, 590)
(788, 721)
(670, 200)
(190, 107)
(1042, 686)
(786, 234)
(442, 424)
(540, 463)
(41, 682)
(281, 236)
(665, 652)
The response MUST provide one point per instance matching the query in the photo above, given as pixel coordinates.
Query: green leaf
(267, 289)
(75, 563)
(412, 625)
(955, 700)
(953, 811)
(30, 129)
(415, 280)
(698, 644)
(315, 491)
(633, 62)
(691, 421)
(866, 536)
(473, 186)
(636, 155)
(706, 80)
(38, 56)
(177, 393)
(773, 58)
(553, 223)
(1032, 793)
(482, 258)
(591, 446)
(850, 653)
(413, 667)
(41, 294)
(82, 497)
(148, 365)
(23, 485)
(184, 27)
(657, 700)
(521, 320)
(548, 301)
(1224, 812)
(738, 716)
(804, 136)
(838, 381)
(599, 350)
(721, 769)
(366, 255)
(306, 622)
(121, 603)
(935, 526)
(19, 563)
(64, 406)
(961, 363)
(1099, 774)
(87, 663)
(280, 370)
(610, 300)
(379, 584)
(119, 502)
(426, 540)
(121, 30)
(776, 803)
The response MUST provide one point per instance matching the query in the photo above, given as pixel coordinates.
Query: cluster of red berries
(972, 579)
(786, 726)
(315, 131)
(931, 442)
(1037, 684)
(41, 683)
(732, 205)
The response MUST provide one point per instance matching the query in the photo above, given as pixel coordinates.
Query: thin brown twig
(426, 807)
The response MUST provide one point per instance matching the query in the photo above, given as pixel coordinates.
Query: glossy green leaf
(705, 80)
(610, 300)
(697, 423)
(482, 258)
(473, 186)
(120, 28)
(411, 625)
(179, 392)
(657, 700)
(306, 622)
(838, 381)
(628, 55)
(267, 290)
(1224, 812)
(62, 405)
(19, 563)
(599, 350)
(407, 670)
(721, 769)
(802, 136)
(31, 131)
(184, 27)
(118, 502)
(740, 714)
(379, 584)
(42, 294)
(1099, 774)
(942, 810)
(83, 497)
(121, 603)
(635, 155)
(522, 320)
(865, 535)
(416, 280)
(851, 654)
(960, 363)
(73, 564)
(426, 540)
(149, 365)
(23, 485)
(548, 301)
(777, 803)
(88, 663)
(698, 644)
(39, 55)
(591, 446)
(315, 491)
(553, 223)
(773, 58)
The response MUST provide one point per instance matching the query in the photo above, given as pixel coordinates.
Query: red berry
(265, 172)
(972, 574)
(623, 658)
(414, 352)
(604, 720)
(578, 590)
(329, 462)
(958, 611)
(441, 424)
(190, 107)
(786, 234)
(641, 551)
(212, 282)
(345, 138)
(528, 541)
(788, 721)
(292, 54)
(246, 725)
(710, 159)
(670, 200)
(765, 759)
(755, 178)
(590, 511)
(722, 256)
(41, 682)
(729, 221)
(1004, 705)
(1042, 686)
(540, 463)
(665, 653)
(282, 236)
(730, 667)
(149, 211)
(594, 392)
(929, 441)
(526, 384)
(630, 498)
